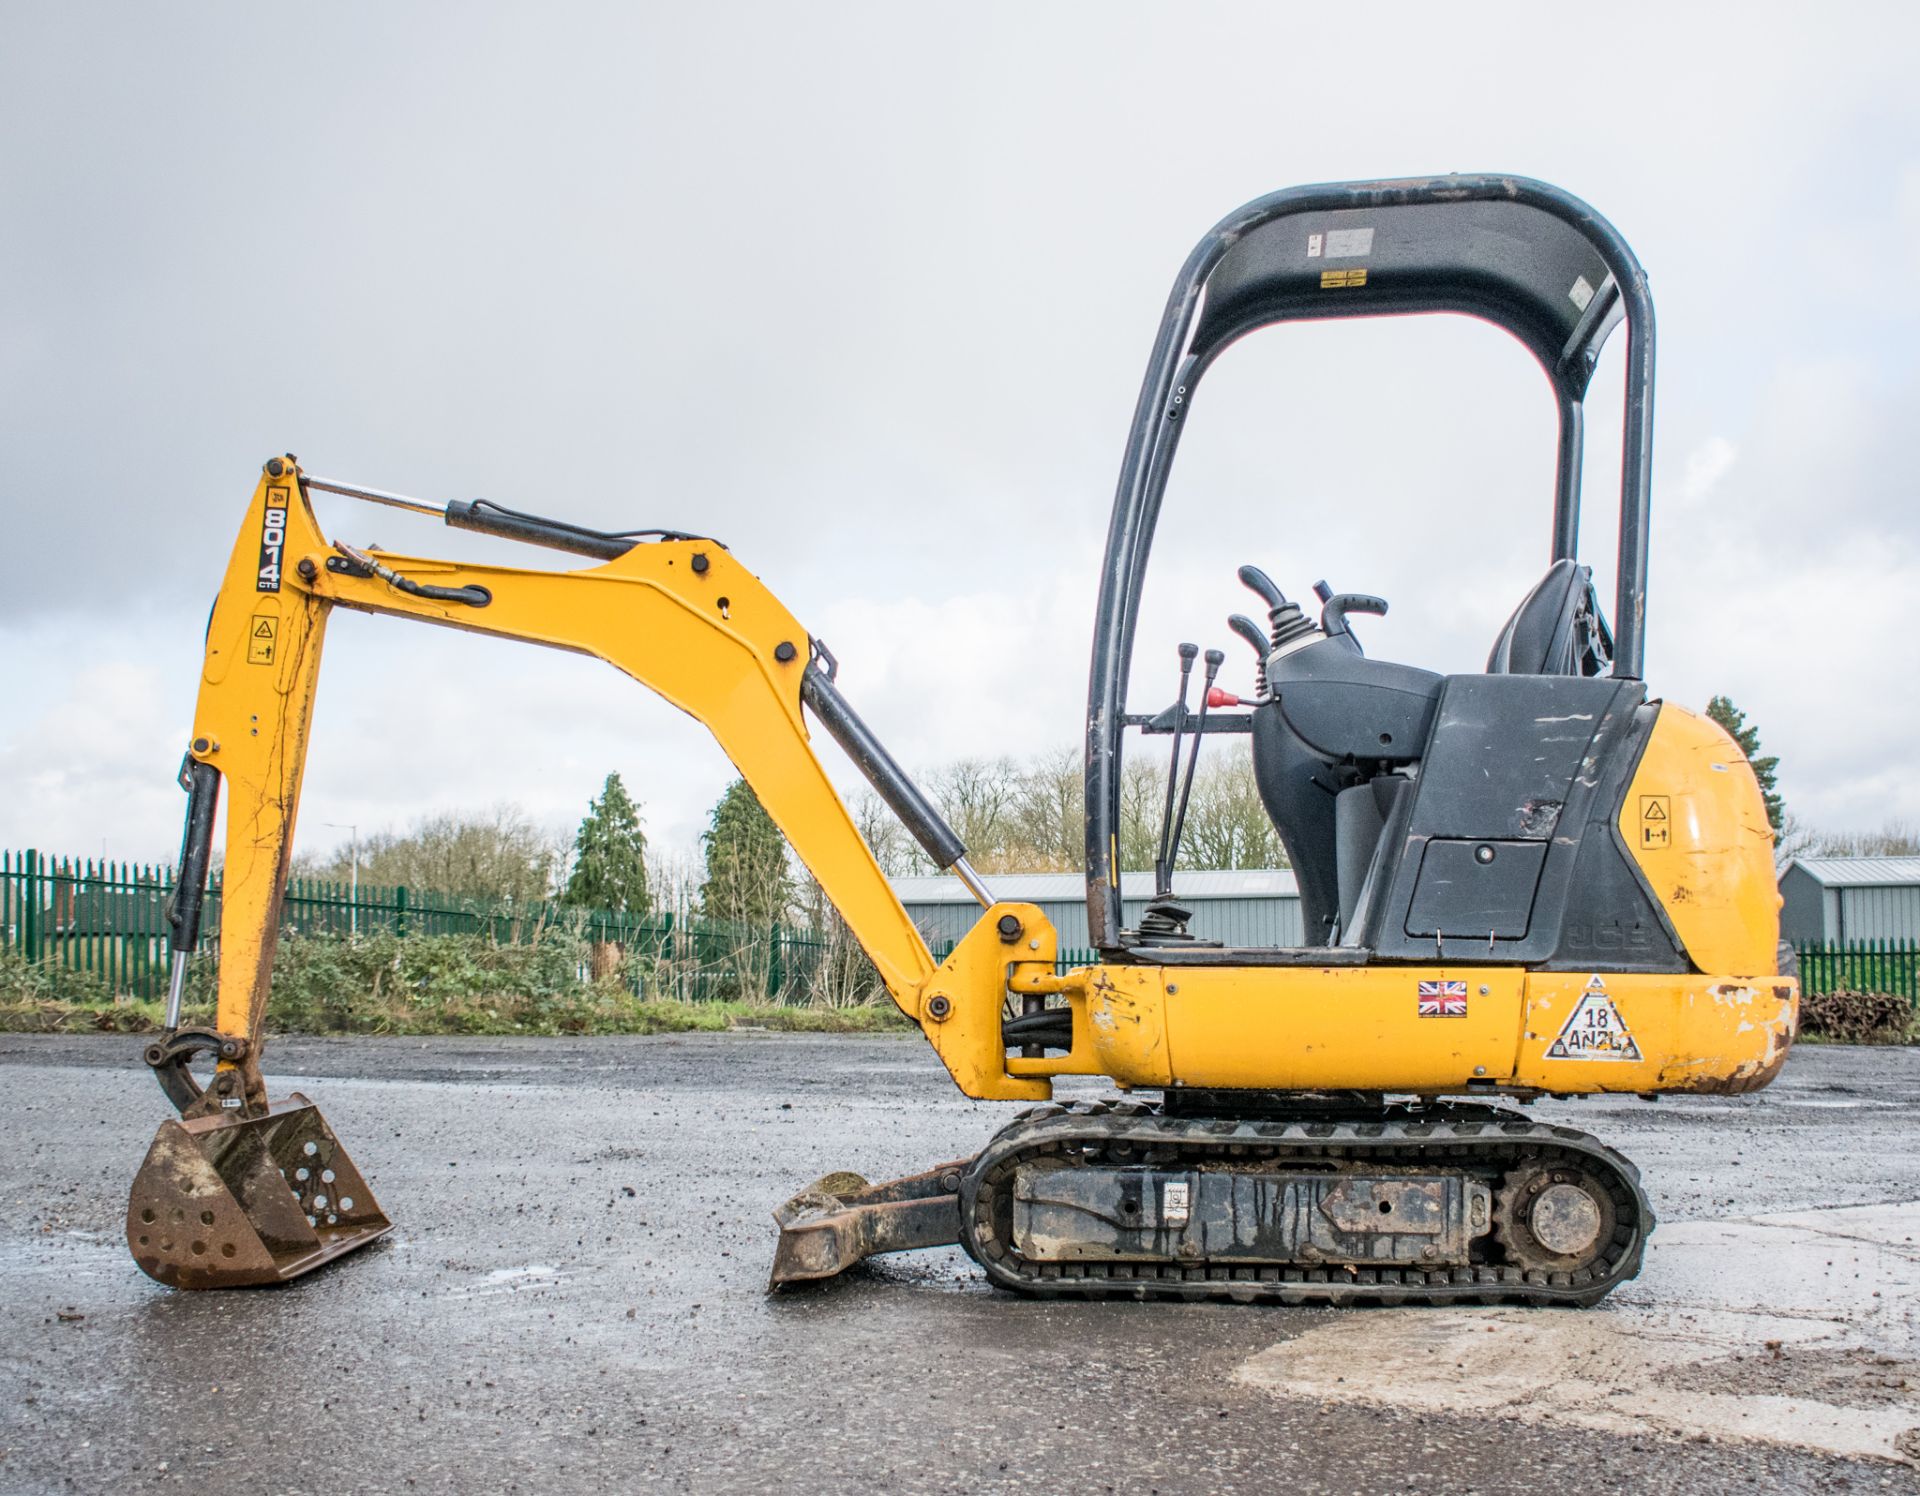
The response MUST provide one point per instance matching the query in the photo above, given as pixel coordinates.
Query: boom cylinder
(902, 796)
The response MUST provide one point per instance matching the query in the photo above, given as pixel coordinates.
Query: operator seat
(1556, 630)
(1340, 748)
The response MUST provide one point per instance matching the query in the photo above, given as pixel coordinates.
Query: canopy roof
(1537, 274)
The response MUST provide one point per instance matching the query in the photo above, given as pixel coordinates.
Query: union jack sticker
(1443, 999)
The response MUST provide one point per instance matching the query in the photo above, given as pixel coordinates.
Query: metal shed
(1252, 906)
(1845, 900)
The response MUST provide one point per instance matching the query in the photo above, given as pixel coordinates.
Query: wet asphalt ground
(573, 1297)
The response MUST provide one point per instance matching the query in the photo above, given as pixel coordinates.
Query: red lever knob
(1218, 697)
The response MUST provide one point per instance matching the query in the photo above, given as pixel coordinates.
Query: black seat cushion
(1556, 630)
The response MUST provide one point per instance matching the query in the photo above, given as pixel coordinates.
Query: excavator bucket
(226, 1202)
(840, 1220)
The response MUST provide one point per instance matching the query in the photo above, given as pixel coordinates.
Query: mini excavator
(1528, 880)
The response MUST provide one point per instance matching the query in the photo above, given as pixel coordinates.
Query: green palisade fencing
(1068, 960)
(108, 920)
(1891, 966)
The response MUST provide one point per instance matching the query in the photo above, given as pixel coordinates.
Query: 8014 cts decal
(273, 541)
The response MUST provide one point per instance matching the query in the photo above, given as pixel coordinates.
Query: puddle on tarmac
(509, 1280)
(1800, 1330)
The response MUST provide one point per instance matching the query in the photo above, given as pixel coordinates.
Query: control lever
(1258, 581)
(1285, 622)
(1188, 652)
(1333, 617)
(1247, 629)
(1170, 854)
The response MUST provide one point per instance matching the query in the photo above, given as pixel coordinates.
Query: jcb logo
(273, 541)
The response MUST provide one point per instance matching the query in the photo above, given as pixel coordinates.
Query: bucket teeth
(225, 1202)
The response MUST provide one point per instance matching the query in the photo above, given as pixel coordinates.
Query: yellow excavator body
(1483, 926)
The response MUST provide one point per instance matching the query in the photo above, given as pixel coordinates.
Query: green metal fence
(108, 920)
(104, 918)
(1891, 966)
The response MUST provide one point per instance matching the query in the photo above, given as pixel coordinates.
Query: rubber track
(1484, 1141)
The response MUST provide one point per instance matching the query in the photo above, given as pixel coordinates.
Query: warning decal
(261, 637)
(1656, 821)
(1332, 280)
(1594, 1030)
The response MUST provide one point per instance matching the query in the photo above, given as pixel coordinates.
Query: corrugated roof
(1859, 872)
(1055, 888)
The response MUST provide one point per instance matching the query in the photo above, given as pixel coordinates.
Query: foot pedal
(228, 1202)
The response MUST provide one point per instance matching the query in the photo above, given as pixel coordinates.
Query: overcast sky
(867, 292)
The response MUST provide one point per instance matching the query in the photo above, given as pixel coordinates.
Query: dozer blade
(227, 1202)
(840, 1220)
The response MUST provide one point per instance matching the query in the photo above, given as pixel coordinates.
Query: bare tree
(1030, 817)
(839, 975)
(1227, 824)
(1894, 839)
(892, 845)
(497, 854)
(1050, 812)
(1794, 839)
(979, 798)
(1143, 790)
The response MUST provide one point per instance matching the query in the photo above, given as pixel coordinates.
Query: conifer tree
(610, 855)
(748, 880)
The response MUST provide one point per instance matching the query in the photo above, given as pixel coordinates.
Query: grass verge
(618, 1015)
(451, 984)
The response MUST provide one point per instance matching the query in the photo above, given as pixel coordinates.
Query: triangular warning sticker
(263, 629)
(1655, 811)
(1594, 1030)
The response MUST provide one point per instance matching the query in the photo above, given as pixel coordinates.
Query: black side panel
(1475, 888)
(1613, 922)
(1504, 753)
(1532, 768)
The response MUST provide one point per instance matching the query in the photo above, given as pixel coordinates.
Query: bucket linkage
(231, 1196)
(239, 1190)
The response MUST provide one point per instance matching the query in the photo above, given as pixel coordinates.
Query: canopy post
(1566, 486)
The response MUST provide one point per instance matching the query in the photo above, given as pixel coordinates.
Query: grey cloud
(867, 290)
